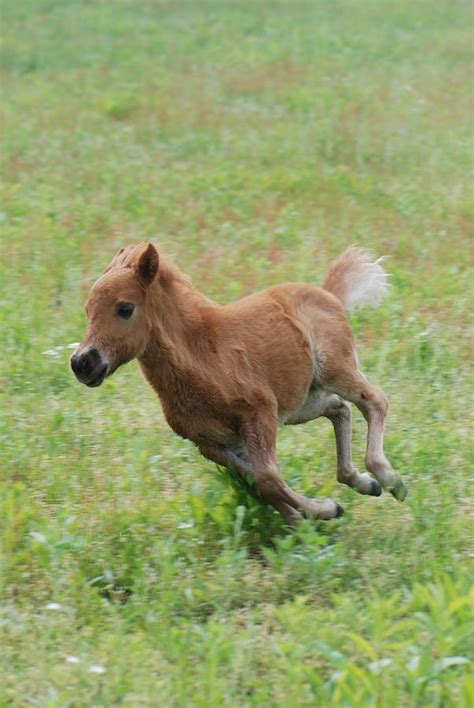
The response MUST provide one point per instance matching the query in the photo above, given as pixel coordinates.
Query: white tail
(356, 279)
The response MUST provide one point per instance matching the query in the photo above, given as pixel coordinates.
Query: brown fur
(227, 376)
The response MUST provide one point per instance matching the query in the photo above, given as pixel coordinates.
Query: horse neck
(179, 339)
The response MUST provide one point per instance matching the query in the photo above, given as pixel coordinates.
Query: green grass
(253, 141)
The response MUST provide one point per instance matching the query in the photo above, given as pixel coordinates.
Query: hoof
(375, 488)
(323, 509)
(399, 491)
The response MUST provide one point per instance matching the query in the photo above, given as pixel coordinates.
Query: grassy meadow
(252, 141)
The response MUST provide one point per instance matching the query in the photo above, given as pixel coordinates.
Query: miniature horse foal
(228, 376)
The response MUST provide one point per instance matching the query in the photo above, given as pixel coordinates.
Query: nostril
(85, 367)
(81, 365)
(75, 364)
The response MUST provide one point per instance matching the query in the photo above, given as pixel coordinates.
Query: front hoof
(375, 488)
(323, 509)
(399, 491)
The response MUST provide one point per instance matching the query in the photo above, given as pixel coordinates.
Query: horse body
(228, 376)
(261, 347)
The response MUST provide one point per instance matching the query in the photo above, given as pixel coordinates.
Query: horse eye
(125, 310)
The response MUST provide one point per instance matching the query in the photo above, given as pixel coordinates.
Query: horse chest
(196, 418)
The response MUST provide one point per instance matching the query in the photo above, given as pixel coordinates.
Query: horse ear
(147, 266)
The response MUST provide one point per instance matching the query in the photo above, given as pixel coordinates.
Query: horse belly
(313, 407)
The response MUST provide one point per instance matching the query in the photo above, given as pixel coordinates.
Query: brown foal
(228, 376)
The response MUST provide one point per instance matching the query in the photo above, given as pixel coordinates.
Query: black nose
(86, 363)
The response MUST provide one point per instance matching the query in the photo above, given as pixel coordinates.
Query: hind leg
(330, 405)
(339, 413)
(349, 383)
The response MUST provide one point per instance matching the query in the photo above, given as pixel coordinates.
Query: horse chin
(98, 377)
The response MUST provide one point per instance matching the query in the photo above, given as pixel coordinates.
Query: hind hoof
(375, 488)
(399, 491)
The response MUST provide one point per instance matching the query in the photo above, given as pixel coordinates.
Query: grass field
(252, 141)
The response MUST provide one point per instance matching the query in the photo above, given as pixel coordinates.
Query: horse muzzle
(89, 367)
